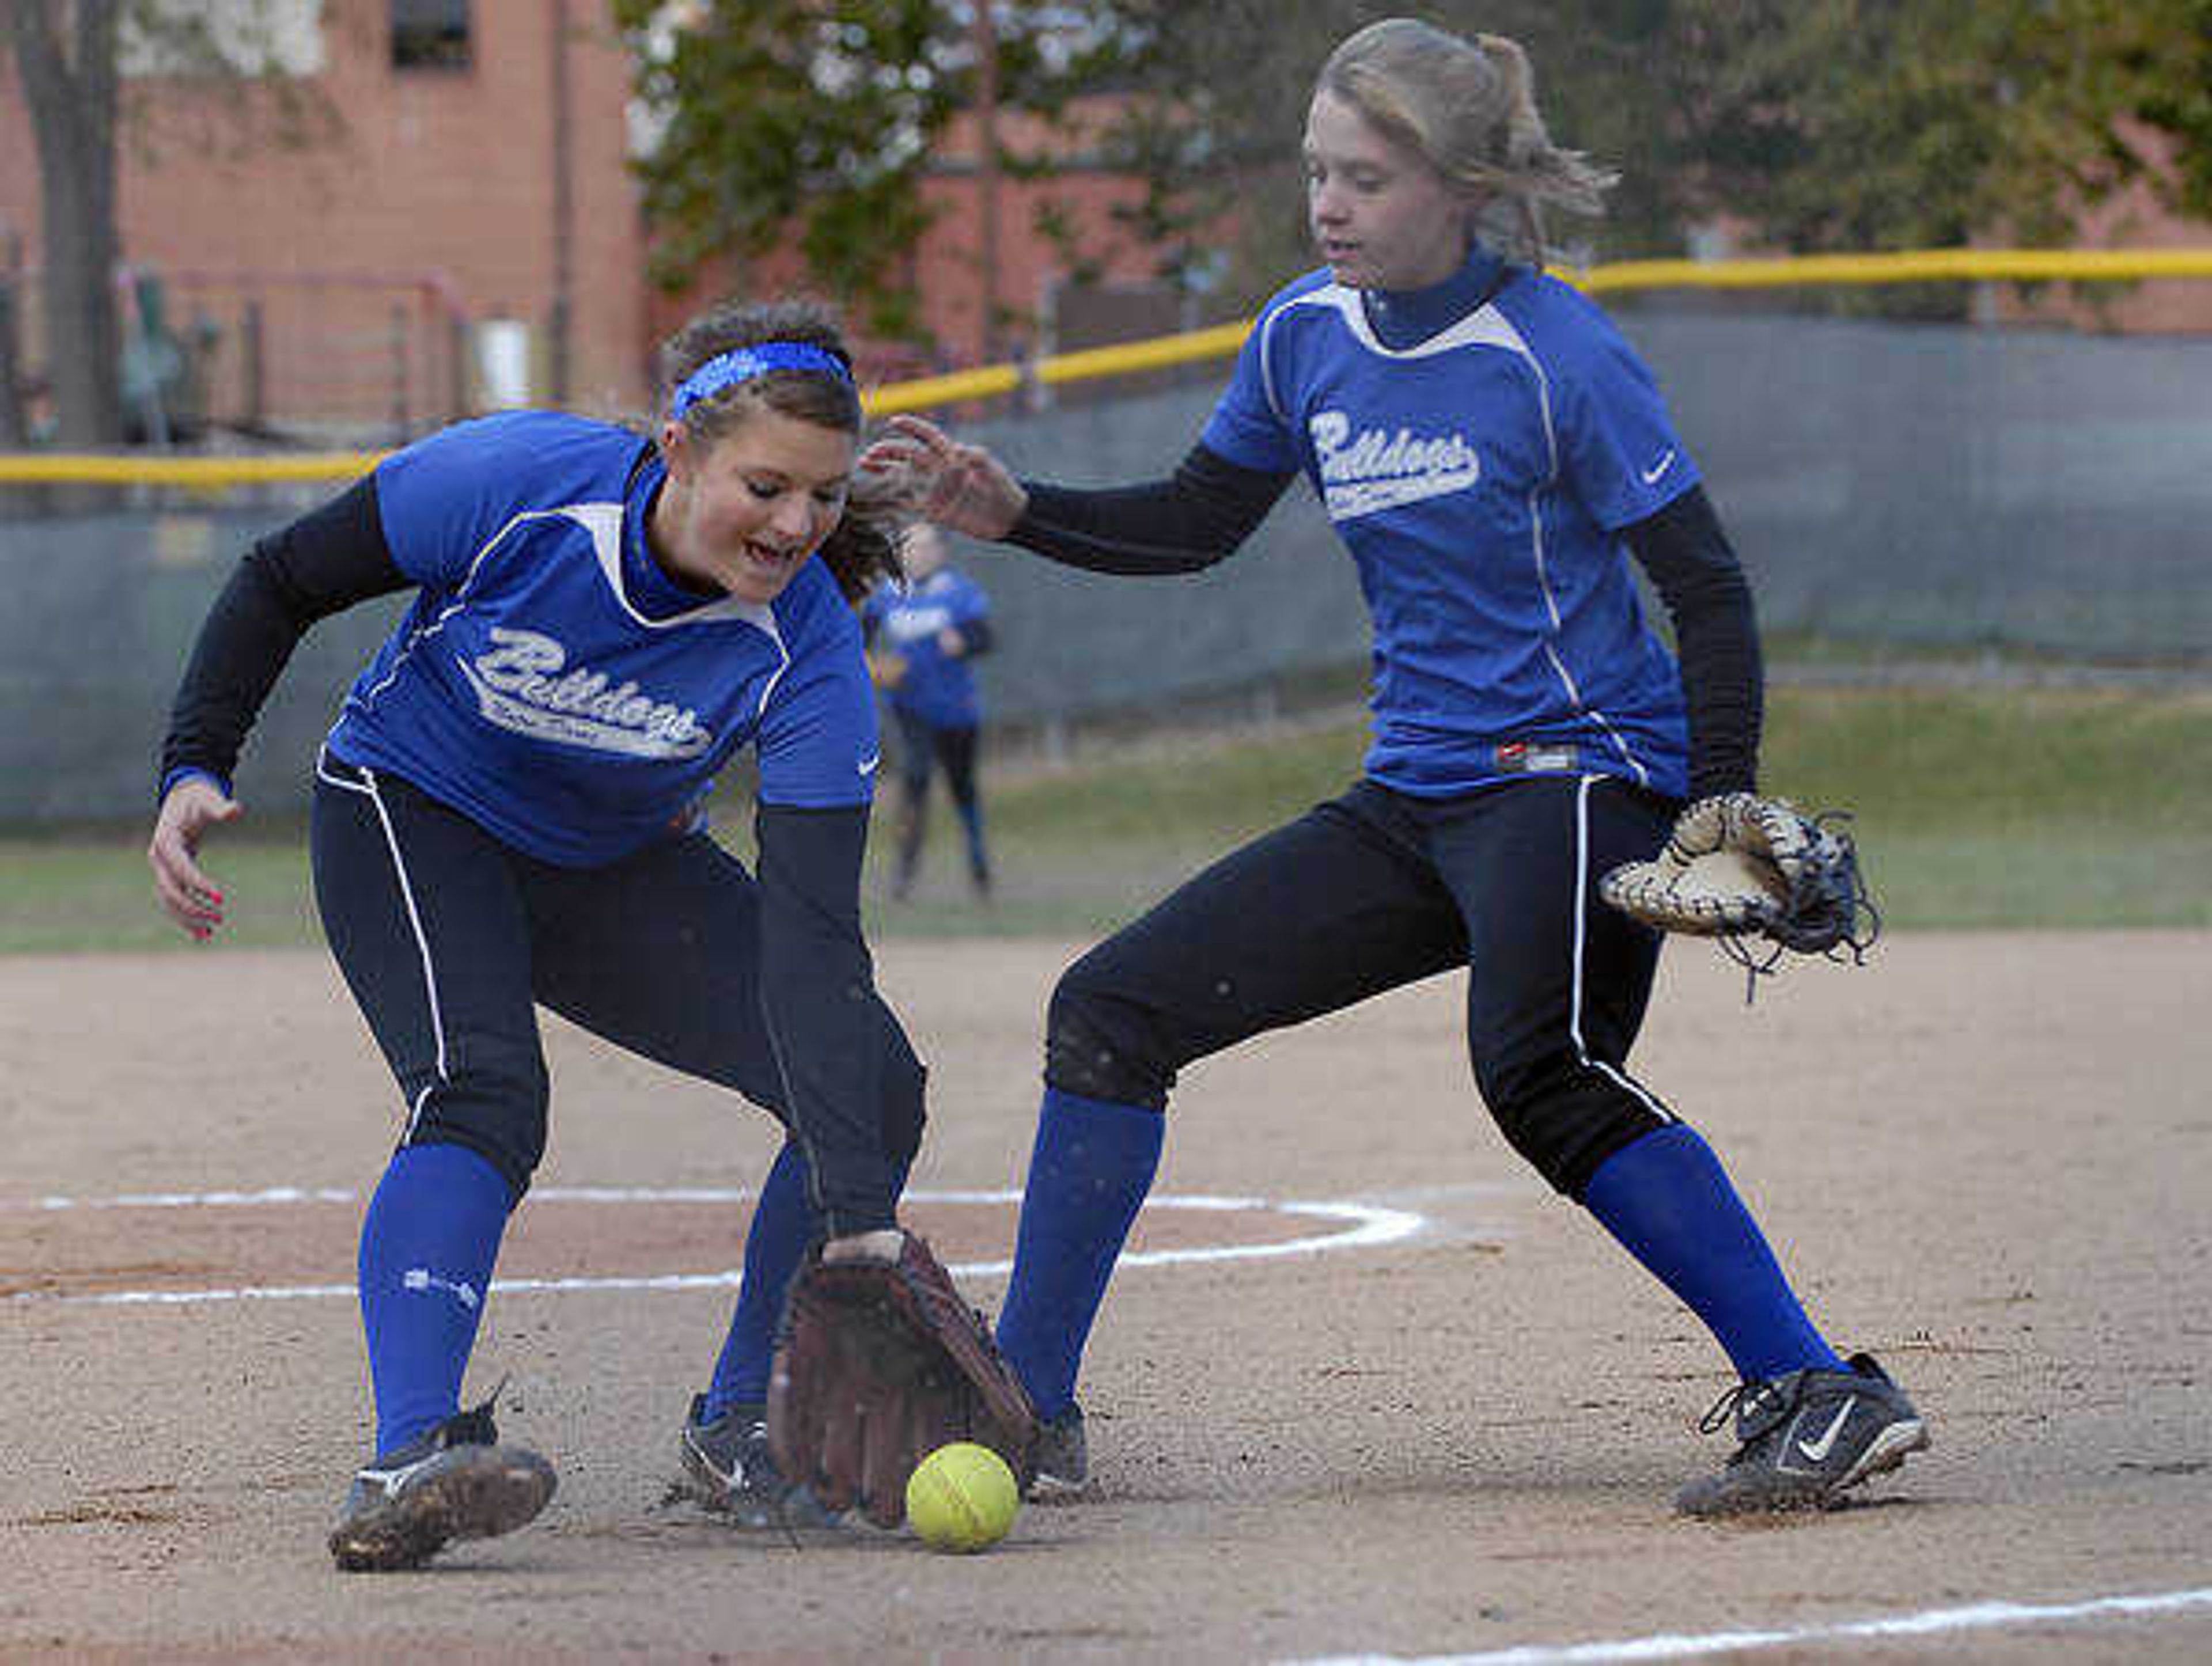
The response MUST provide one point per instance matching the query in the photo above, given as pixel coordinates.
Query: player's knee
(1100, 1048)
(904, 1099)
(1565, 1116)
(496, 1108)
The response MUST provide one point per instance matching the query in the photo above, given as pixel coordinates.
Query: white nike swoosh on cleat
(393, 1479)
(729, 1477)
(1818, 1450)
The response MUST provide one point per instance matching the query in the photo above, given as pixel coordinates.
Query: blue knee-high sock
(427, 1247)
(784, 1223)
(1092, 1164)
(1669, 1201)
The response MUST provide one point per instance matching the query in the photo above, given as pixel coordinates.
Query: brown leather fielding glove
(878, 1364)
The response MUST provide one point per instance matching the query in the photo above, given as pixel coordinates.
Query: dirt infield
(1446, 1422)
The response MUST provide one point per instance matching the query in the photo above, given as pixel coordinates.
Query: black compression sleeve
(322, 563)
(1189, 521)
(975, 638)
(1716, 635)
(817, 990)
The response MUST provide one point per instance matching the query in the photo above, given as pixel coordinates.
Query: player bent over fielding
(1489, 450)
(509, 813)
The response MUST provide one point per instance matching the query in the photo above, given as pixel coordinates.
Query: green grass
(90, 889)
(1976, 807)
(2017, 806)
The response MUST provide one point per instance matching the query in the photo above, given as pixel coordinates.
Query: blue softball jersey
(551, 683)
(1480, 479)
(938, 687)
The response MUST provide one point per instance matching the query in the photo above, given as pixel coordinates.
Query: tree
(1895, 124)
(2150, 75)
(69, 55)
(66, 63)
(813, 122)
(1812, 124)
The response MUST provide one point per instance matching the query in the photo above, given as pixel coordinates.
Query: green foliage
(1810, 125)
(789, 114)
(1220, 102)
(812, 122)
(89, 889)
(2151, 67)
(2025, 807)
(1892, 124)
(1975, 807)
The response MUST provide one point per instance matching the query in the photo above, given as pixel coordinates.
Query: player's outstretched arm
(1187, 522)
(964, 487)
(192, 806)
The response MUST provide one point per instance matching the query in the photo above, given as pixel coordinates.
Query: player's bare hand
(192, 899)
(866, 1247)
(964, 487)
(884, 1245)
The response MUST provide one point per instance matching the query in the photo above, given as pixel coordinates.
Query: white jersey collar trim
(604, 521)
(1484, 327)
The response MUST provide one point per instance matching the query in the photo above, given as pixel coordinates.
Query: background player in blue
(508, 813)
(921, 635)
(1491, 452)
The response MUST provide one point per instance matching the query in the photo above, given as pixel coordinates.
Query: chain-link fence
(1886, 485)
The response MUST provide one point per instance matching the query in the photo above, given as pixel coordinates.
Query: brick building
(462, 229)
(450, 178)
(462, 221)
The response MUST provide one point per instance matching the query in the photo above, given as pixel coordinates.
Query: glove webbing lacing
(1862, 922)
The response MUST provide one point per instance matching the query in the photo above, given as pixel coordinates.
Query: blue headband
(742, 364)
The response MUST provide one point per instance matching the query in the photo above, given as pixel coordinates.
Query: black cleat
(455, 1482)
(1807, 1436)
(728, 1469)
(1059, 1462)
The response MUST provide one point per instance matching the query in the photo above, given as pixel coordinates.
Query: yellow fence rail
(1160, 353)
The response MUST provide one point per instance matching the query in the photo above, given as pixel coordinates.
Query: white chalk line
(1928, 1622)
(1371, 1225)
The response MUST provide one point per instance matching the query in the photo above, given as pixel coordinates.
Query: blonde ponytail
(1469, 108)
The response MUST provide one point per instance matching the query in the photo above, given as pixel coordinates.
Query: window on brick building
(430, 34)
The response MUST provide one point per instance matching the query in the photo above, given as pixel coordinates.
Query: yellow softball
(962, 1497)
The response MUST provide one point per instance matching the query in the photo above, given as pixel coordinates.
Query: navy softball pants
(1376, 889)
(926, 747)
(450, 938)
